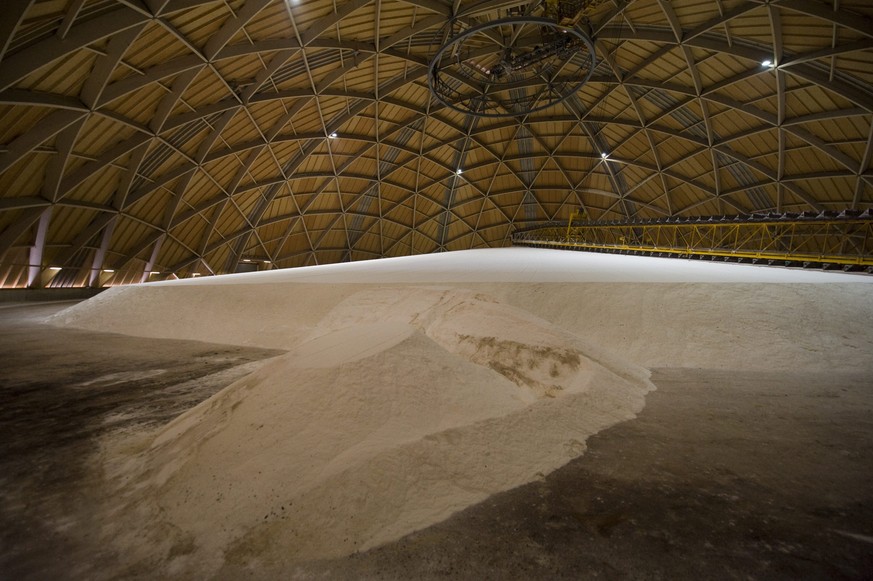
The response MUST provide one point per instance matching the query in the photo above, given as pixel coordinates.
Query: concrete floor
(723, 475)
(61, 390)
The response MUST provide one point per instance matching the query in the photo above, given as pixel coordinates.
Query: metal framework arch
(725, 134)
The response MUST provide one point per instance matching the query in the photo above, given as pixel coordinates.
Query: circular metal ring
(435, 83)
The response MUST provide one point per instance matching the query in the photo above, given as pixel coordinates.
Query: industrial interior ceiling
(145, 139)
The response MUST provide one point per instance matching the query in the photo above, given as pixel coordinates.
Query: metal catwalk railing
(817, 240)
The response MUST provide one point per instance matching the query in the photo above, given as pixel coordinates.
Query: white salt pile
(398, 403)
(402, 409)
(654, 312)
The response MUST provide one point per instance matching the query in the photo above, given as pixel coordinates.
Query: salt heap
(401, 409)
(654, 312)
(401, 401)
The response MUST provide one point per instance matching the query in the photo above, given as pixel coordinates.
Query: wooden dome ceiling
(185, 136)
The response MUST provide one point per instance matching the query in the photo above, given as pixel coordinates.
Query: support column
(154, 257)
(100, 255)
(36, 251)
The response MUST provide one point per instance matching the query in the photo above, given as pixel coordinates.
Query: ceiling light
(55, 268)
(767, 63)
(333, 135)
(460, 171)
(195, 274)
(603, 155)
(108, 270)
(155, 272)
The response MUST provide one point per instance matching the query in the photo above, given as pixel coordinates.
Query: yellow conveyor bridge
(819, 240)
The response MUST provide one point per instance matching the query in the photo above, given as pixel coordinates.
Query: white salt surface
(530, 265)
(398, 410)
(654, 312)
(412, 388)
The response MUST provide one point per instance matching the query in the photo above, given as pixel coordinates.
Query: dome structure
(143, 139)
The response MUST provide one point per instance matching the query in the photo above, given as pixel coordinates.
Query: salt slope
(343, 443)
(745, 326)
(526, 265)
(656, 312)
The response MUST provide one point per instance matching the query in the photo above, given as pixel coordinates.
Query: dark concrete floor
(724, 475)
(60, 391)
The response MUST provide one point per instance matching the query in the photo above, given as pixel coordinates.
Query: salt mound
(655, 312)
(400, 409)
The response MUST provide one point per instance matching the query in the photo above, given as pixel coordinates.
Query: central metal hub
(511, 67)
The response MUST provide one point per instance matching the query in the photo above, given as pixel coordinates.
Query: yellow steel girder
(831, 241)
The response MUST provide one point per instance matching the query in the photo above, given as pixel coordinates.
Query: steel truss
(823, 240)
